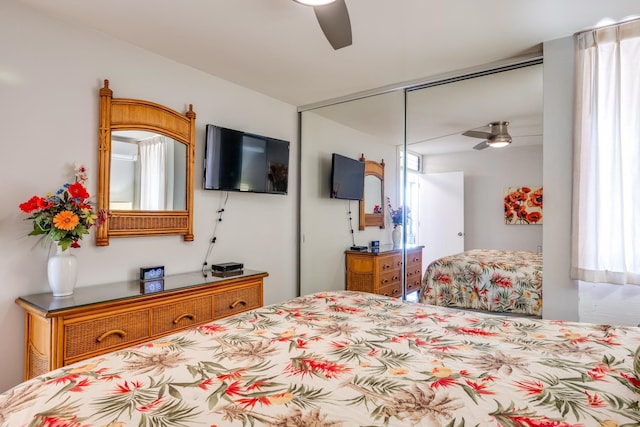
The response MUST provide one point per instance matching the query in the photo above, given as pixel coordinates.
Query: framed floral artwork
(523, 205)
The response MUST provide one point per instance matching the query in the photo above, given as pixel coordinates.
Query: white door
(441, 226)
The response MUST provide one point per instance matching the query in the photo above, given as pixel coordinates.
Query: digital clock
(151, 286)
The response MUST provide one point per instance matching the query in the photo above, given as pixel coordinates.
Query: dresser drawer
(101, 334)
(413, 284)
(179, 315)
(394, 290)
(390, 278)
(414, 258)
(389, 262)
(237, 300)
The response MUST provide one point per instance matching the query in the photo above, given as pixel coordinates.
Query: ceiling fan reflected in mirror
(497, 137)
(333, 17)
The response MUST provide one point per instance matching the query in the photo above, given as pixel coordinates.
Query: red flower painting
(523, 205)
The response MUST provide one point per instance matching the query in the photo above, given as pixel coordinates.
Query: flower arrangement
(65, 216)
(395, 214)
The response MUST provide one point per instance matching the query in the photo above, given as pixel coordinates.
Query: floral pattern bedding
(349, 359)
(486, 279)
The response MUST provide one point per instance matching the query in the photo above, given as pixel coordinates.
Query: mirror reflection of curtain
(156, 173)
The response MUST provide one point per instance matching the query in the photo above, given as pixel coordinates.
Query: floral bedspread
(486, 279)
(349, 359)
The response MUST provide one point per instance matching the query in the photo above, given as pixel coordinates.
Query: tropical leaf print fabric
(486, 279)
(349, 359)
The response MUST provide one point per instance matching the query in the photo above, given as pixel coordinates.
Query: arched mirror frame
(135, 114)
(376, 169)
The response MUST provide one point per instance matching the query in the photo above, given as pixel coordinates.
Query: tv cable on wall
(354, 247)
(224, 197)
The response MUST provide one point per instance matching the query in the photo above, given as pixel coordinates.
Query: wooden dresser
(380, 271)
(99, 319)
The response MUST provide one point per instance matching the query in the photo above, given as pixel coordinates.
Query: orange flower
(66, 220)
(534, 217)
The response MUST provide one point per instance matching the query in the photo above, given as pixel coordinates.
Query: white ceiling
(276, 47)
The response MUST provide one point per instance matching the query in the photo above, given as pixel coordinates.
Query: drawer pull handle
(236, 302)
(385, 281)
(386, 266)
(395, 291)
(118, 332)
(189, 316)
(399, 262)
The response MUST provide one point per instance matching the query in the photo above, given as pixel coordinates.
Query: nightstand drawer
(103, 333)
(237, 300)
(389, 278)
(389, 262)
(394, 290)
(181, 314)
(414, 258)
(413, 284)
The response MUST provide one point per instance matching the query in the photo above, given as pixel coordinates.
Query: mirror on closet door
(457, 199)
(373, 126)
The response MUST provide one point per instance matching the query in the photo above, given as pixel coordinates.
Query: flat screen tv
(240, 161)
(347, 178)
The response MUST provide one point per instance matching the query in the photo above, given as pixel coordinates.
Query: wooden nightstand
(379, 272)
(99, 319)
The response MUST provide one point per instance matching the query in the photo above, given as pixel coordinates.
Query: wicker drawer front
(103, 333)
(389, 278)
(394, 290)
(168, 318)
(237, 300)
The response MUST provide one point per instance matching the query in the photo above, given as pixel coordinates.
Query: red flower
(531, 387)
(233, 388)
(479, 388)
(77, 191)
(34, 204)
(444, 382)
(534, 217)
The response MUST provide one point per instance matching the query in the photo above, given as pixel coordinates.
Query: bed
(349, 359)
(486, 279)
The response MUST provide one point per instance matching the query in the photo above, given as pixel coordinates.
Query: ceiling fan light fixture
(314, 2)
(499, 144)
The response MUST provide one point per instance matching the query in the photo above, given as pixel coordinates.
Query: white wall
(50, 74)
(324, 222)
(486, 174)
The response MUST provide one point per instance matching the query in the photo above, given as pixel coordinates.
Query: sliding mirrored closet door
(372, 127)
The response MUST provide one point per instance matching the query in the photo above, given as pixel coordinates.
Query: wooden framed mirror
(145, 168)
(372, 205)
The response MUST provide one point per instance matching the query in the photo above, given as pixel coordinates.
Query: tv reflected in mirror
(347, 178)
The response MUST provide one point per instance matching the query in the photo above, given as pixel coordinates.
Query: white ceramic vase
(62, 271)
(396, 235)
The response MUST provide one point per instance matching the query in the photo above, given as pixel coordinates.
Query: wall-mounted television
(347, 178)
(239, 161)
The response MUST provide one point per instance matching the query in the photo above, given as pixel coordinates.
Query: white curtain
(153, 173)
(606, 168)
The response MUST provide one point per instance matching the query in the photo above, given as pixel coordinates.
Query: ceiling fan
(333, 17)
(497, 137)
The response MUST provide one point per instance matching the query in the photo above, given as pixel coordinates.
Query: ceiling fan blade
(335, 23)
(481, 146)
(477, 134)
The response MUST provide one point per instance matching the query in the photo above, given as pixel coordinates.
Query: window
(606, 194)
